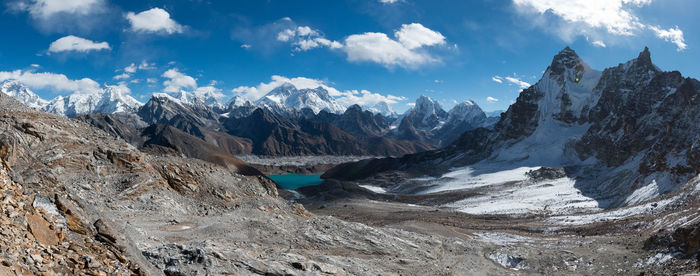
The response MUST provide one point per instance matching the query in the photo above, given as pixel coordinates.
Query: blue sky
(393, 50)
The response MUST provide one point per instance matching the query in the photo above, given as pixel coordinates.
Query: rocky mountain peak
(644, 56)
(354, 109)
(643, 62)
(566, 59)
(428, 105)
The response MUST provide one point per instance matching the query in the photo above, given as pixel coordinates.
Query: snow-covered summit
(382, 108)
(23, 94)
(467, 111)
(110, 99)
(286, 99)
(427, 113)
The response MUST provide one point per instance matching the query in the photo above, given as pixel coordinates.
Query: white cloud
(361, 97)
(367, 98)
(415, 35)
(131, 68)
(43, 9)
(177, 81)
(52, 81)
(286, 35)
(245, 46)
(491, 99)
(599, 43)
(407, 49)
(78, 44)
(122, 76)
(388, 1)
(379, 48)
(518, 82)
(147, 66)
(410, 104)
(306, 38)
(594, 18)
(151, 80)
(154, 20)
(674, 35)
(35, 65)
(511, 81)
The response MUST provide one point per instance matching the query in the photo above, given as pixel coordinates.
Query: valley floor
(529, 244)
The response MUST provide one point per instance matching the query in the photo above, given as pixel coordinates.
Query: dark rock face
(645, 111)
(111, 124)
(275, 135)
(162, 110)
(363, 123)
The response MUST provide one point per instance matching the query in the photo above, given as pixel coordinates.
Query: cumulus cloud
(388, 1)
(594, 18)
(408, 48)
(77, 44)
(177, 81)
(155, 20)
(349, 97)
(415, 35)
(673, 35)
(44, 9)
(511, 81)
(51, 81)
(62, 15)
(491, 99)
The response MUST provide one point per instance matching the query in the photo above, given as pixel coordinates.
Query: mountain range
(286, 121)
(623, 135)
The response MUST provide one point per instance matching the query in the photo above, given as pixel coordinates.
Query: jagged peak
(644, 58)
(566, 58)
(354, 107)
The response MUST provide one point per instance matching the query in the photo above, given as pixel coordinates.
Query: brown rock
(104, 233)
(75, 219)
(41, 230)
(6, 271)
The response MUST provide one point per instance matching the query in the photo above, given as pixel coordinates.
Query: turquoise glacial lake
(294, 181)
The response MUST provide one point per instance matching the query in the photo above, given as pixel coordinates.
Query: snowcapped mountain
(286, 99)
(467, 111)
(208, 96)
(381, 108)
(23, 94)
(427, 114)
(110, 99)
(428, 122)
(618, 137)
